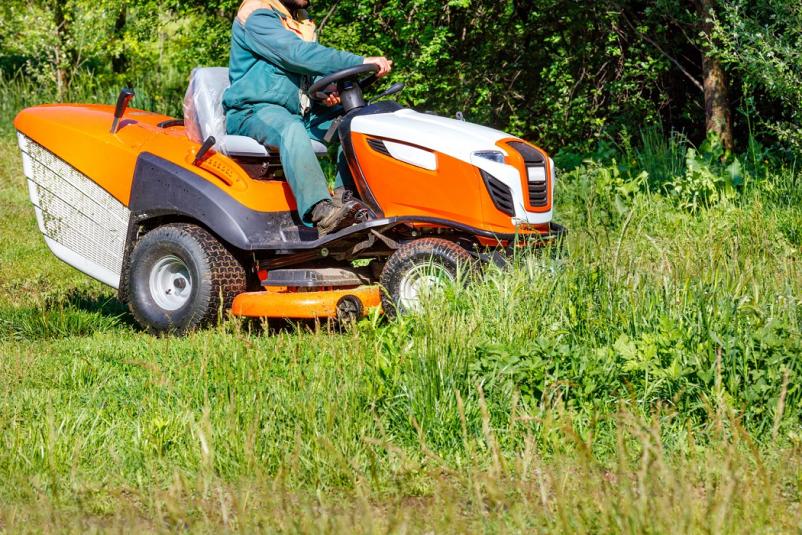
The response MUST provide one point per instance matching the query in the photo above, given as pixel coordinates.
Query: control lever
(206, 147)
(126, 95)
(330, 133)
(392, 90)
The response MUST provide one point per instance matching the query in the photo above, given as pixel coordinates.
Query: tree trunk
(119, 61)
(64, 56)
(61, 73)
(718, 118)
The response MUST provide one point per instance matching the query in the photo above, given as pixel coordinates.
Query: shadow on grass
(278, 326)
(82, 312)
(77, 312)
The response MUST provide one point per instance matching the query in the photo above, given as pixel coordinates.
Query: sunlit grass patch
(73, 315)
(644, 377)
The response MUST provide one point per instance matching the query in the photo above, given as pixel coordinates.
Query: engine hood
(454, 138)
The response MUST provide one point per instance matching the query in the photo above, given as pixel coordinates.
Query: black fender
(161, 189)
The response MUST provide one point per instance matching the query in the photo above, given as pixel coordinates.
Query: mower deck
(285, 303)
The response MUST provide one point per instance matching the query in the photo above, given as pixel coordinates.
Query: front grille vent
(538, 194)
(538, 191)
(500, 193)
(531, 155)
(379, 146)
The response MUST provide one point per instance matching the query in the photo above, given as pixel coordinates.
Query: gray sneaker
(342, 195)
(331, 216)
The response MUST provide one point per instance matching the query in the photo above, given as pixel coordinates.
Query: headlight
(537, 174)
(492, 155)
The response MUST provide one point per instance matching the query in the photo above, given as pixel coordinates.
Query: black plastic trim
(379, 146)
(500, 193)
(530, 154)
(161, 188)
(538, 194)
(170, 123)
(312, 278)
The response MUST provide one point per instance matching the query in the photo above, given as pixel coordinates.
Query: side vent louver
(500, 193)
(379, 146)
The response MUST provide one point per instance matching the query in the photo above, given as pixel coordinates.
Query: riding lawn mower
(186, 221)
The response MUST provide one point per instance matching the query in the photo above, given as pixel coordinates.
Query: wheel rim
(170, 283)
(422, 281)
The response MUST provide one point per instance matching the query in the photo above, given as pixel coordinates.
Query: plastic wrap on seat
(203, 104)
(204, 116)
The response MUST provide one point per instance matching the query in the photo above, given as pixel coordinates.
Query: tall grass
(647, 379)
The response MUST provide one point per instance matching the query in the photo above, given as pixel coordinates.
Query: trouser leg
(274, 125)
(318, 122)
(344, 177)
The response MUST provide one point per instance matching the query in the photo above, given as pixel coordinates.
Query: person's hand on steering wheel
(385, 65)
(333, 97)
(353, 80)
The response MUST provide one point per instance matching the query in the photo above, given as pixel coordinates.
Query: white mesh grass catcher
(82, 223)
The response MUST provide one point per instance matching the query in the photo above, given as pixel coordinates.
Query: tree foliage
(561, 73)
(762, 43)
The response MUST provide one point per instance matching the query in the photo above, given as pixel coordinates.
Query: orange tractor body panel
(81, 136)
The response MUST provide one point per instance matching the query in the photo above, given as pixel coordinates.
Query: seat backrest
(203, 103)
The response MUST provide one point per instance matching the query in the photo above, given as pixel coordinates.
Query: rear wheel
(418, 269)
(181, 278)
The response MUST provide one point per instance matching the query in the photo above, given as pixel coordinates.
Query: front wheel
(418, 269)
(181, 278)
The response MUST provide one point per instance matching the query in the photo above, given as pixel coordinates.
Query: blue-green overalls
(268, 66)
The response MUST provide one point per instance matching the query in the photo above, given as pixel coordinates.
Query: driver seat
(204, 117)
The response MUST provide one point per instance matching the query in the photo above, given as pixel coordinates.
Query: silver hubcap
(422, 281)
(170, 283)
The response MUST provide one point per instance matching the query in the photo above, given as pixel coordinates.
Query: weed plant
(644, 378)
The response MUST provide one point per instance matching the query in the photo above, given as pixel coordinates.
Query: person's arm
(269, 39)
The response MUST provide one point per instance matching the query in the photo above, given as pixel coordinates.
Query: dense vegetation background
(646, 378)
(565, 74)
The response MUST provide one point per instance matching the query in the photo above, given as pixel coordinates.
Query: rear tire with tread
(202, 269)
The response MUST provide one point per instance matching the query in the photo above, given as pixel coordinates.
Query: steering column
(349, 83)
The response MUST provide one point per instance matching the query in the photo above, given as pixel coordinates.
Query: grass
(648, 380)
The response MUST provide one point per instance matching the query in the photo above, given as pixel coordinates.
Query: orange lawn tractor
(187, 221)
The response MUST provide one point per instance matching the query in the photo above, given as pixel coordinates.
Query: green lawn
(648, 380)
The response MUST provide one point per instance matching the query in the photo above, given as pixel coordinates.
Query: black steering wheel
(352, 74)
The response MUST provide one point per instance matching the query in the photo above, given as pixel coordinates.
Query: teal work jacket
(268, 65)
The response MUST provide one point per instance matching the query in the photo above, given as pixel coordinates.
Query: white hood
(454, 138)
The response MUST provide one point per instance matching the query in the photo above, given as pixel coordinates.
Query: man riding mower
(274, 54)
(188, 221)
